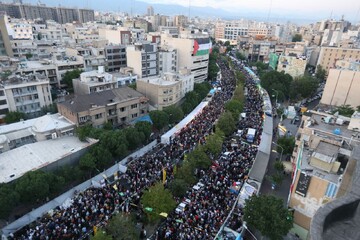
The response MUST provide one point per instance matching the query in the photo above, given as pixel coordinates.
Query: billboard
(273, 60)
(202, 46)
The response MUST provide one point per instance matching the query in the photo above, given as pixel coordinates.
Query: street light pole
(277, 94)
(282, 150)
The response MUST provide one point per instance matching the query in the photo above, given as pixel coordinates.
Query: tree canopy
(345, 110)
(175, 113)
(279, 81)
(297, 37)
(12, 117)
(235, 107)
(267, 214)
(303, 87)
(69, 76)
(159, 118)
(159, 200)
(320, 73)
(226, 123)
(287, 143)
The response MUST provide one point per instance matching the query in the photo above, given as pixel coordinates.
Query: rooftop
(21, 79)
(30, 157)
(331, 126)
(85, 102)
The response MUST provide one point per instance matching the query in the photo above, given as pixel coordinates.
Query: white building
(143, 58)
(27, 94)
(168, 60)
(193, 52)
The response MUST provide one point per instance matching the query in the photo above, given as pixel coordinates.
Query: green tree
(9, 198)
(102, 155)
(279, 166)
(213, 69)
(345, 110)
(159, 199)
(240, 77)
(52, 108)
(186, 173)
(175, 114)
(277, 178)
(178, 187)
(303, 87)
(33, 186)
(122, 227)
(226, 123)
(199, 158)
(297, 38)
(69, 76)
(239, 56)
(235, 107)
(159, 118)
(279, 81)
(214, 143)
(320, 73)
(227, 43)
(12, 117)
(202, 90)
(287, 143)
(144, 127)
(84, 132)
(132, 85)
(267, 214)
(87, 163)
(134, 137)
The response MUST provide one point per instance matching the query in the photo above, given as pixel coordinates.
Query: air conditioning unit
(53, 135)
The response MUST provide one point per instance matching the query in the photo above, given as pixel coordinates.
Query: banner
(164, 175)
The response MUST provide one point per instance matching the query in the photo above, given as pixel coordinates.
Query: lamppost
(282, 150)
(277, 94)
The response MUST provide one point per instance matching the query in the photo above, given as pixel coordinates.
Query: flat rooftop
(30, 157)
(331, 127)
(316, 172)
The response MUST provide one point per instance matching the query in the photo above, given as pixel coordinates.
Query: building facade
(294, 66)
(143, 58)
(27, 94)
(116, 57)
(118, 106)
(329, 55)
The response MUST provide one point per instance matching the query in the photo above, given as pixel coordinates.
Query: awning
(19, 134)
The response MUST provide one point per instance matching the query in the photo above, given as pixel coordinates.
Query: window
(122, 109)
(2, 93)
(123, 119)
(98, 116)
(134, 106)
(134, 115)
(2, 102)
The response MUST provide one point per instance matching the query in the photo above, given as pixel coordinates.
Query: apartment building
(342, 86)
(43, 128)
(143, 58)
(180, 20)
(324, 146)
(116, 35)
(5, 45)
(26, 93)
(93, 81)
(167, 89)
(59, 14)
(93, 57)
(117, 106)
(116, 57)
(168, 60)
(329, 55)
(193, 51)
(292, 65)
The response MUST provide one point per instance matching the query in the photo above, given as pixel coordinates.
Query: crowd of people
(209, 206)
(95, 206)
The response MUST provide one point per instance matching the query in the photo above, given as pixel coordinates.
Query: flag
(164, 175)
(175, 169)
(95, 229)
(148, 209)
(163, 214)
(115, 187)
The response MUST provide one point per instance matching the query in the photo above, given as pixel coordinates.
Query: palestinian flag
(202, 49)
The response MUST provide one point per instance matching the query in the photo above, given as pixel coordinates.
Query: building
(168, 60)
(180, 20)
(93, 81)
(143, 58)
(342, 88)
(27, 94)
(124, 77)
(117, 106)
(5, 45)
(323, 150)
(116, 35)
(166, 90)
(292, 65)
(116, 57)
(193, 51)
(43, 128)
(329, 55)
(150, 11)
(58, 14)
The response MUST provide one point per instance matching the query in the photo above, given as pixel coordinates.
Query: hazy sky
(350, 8)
